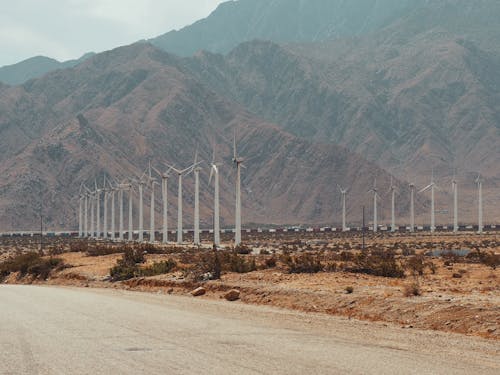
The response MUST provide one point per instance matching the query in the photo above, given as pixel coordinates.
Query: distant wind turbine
(214, 171)
(141, 182)
(105, 203)
(98, 209)
(454, 187)
(238, 162)
(152, 182)
(375, 197)
(196, 170)
(343, 192)
(432, 186)
(479, 182)
(81, 198)
(164, 195)
(392, 190)
(412, 206)
(180, 174)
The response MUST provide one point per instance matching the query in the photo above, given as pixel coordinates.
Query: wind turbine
(85, 212)
(92, 195)
(432, 186)
(80, 212)
(375, 197)
(454, 187)
(412, 206)
(98, 209)
(164, 195)
(152, 181)
(113, 189)
(105, 202)
(141, 182)
(343, 192)
(121, 188)
(196, 170)
(214, 171)
(479, 182)
(180, 174)
(238, 162)
(130, 217)
(392, 190)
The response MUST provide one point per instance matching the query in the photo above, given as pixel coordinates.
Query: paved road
(48, 330)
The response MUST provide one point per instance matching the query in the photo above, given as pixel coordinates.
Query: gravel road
(54, 330)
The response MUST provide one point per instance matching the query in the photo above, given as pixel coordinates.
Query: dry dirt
(467, 305)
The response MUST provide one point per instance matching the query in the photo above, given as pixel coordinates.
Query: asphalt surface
(53, 330)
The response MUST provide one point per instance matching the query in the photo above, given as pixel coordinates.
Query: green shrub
(30, 264)
(158, 268)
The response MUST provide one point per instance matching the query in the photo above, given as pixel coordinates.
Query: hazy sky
(66, 29)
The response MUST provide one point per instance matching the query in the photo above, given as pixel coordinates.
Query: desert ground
(442, 281)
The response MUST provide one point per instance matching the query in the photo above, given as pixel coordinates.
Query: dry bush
(378, 263)
(127, 266)
(416, 265)
(412, 290)
(30, 264)
(304, 263)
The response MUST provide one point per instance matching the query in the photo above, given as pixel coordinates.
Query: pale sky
(66, 29)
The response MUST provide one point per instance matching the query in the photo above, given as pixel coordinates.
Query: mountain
(35, 67)
(112, 113)
(284, 21)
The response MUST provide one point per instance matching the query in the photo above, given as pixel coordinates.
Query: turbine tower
(130, 216)
(98, 211)
(238, 162)
(81, 197)
(214, 171)
(454, 187)
(375, 197)
(105, 202)
(479, 182)
(92, 208)
(120, 188)
(164, 195)
(392, 190)
(85, 212)
(343, 192)
(180, 174)
(196, 170)
(412, 206)
(432, 186)
(112, 191)
(152, 182)
(141, 182)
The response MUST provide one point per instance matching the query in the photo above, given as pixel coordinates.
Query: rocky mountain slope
(35, 67)
(119, 109)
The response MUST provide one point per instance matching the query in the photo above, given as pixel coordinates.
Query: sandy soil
(468, 305)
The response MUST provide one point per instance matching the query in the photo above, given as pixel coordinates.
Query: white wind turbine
(196, 170)
(120, 187)
(130, 216)
(392, 190)
(152, 182)
(98, 210)
(164, 195)
(141, 182)
(479, 182)
(432, 186)
(343, 192)
(105, 203)
(113, 189)
(454, 187)
(81, 198)
(238, 162)
(375, 197)
(92, 196)
(214, 171)
(412, 206)
(180, 174)
(85, 212)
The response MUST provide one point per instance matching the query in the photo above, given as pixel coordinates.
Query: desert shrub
(489, 259)
(270, 262)
(264, 252)
(349, 289)
(378, 263)
(30, 264)
(304, 263)
(78, 246)
(416, 265)
(412, 290)
(242, 249)
(96, 250)
(127, 266)
(158, 268)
